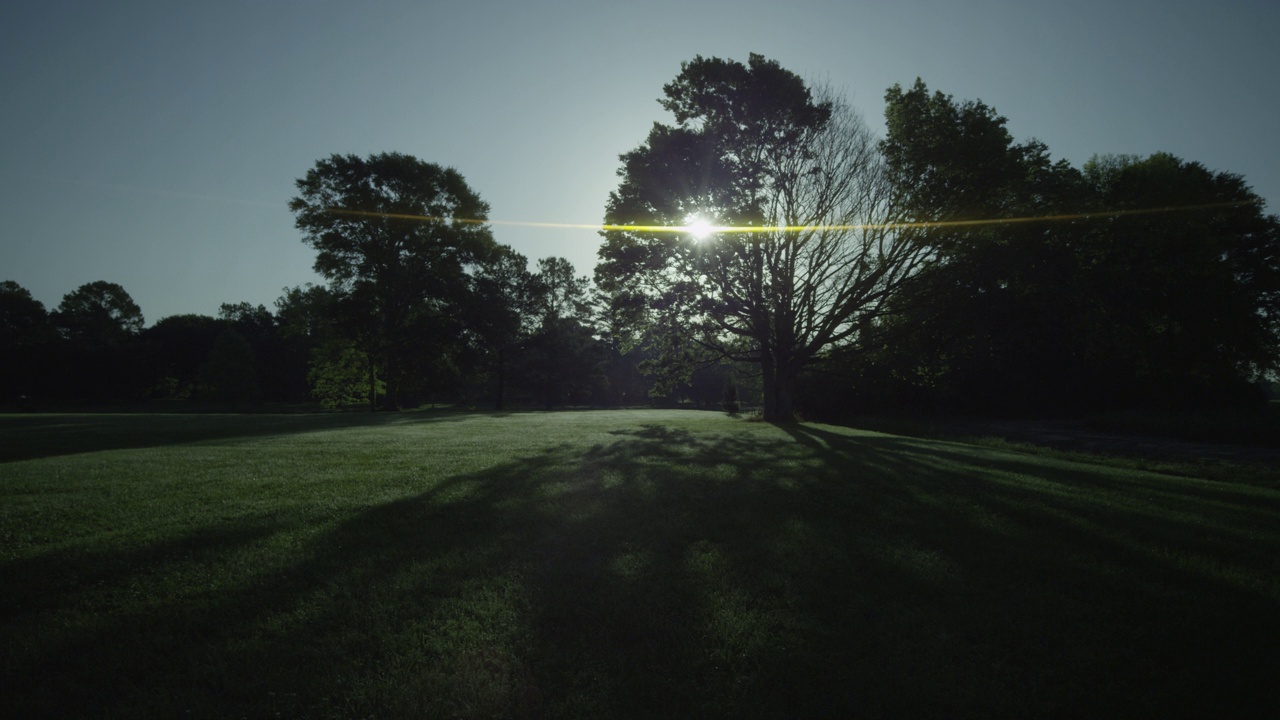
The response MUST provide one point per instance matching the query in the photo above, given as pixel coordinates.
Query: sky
(156, 144)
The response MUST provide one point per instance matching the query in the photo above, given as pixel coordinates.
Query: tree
(26, 336)
(319, 350)
(501, 311)
(339, 375)
(564, 356)
(805, 255)
(229, 373)
(306, 320)
(99, 313)
(394, 237)
(1134, 282)
(180, 345)
(23, 319)
(100, 322)
(1188, 297)
(277, 369)
(971, 327)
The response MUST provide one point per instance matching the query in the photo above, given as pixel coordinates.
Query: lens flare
(701, 228)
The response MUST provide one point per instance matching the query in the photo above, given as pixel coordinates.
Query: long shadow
(805, 573)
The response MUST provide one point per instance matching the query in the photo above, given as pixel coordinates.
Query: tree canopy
(394, 236)
(806, 255)
(99, 313)
(1130, 282)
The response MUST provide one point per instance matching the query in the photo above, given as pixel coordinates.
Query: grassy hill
(615, 564)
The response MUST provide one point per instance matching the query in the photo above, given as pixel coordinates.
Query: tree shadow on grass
(802, 572)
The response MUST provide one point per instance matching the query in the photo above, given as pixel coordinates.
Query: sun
(699, 227)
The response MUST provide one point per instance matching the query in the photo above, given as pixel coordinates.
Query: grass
(615, 564)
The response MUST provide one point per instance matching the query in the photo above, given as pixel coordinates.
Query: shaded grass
(615, 564)
(1258, 428)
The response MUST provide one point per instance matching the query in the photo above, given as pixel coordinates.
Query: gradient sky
(156, 144)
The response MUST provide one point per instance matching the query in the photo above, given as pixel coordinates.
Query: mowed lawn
(615, 564)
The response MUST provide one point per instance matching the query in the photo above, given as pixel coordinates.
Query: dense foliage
(1150, 282)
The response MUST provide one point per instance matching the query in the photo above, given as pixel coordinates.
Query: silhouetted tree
(100, 323)
(26, 340)
(1134, 282)
(229, 372)
(23, 319)
(394, 237)
(564, 355)
(179, 345)
(1187, 298)
(275, 368)
(307, 320)
(98, 313)
(991, 317)
(500, 314)
(317, 331)
(753, 146)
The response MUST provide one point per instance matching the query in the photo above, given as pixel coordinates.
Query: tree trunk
(779, 386)
(502, 378)
(373, 382)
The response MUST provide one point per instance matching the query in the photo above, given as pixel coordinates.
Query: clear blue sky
(156, 144)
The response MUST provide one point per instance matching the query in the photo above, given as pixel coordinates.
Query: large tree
(995, 312)
(754, 228)
(394, 237)
(1188, 295)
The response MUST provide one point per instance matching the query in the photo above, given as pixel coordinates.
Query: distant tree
(753, 146)
(277, 370)
(565, 356)
(23, 319)
(26, 338)
(179, 346)
(246, 316)
(306, 313)
(99, 313)
(100, 360)
(500, 315)
(317, 333)
(306, 319)
(340, 375)
(730, 398)
(394, 237)
(229, 372)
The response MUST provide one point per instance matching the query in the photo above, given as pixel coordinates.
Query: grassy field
(615, 564)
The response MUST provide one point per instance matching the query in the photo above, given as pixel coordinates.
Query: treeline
(542, 349)
(766, 249)
(1131, 282)
(943, 267)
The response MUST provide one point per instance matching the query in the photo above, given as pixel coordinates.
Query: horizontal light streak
(754, 229)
